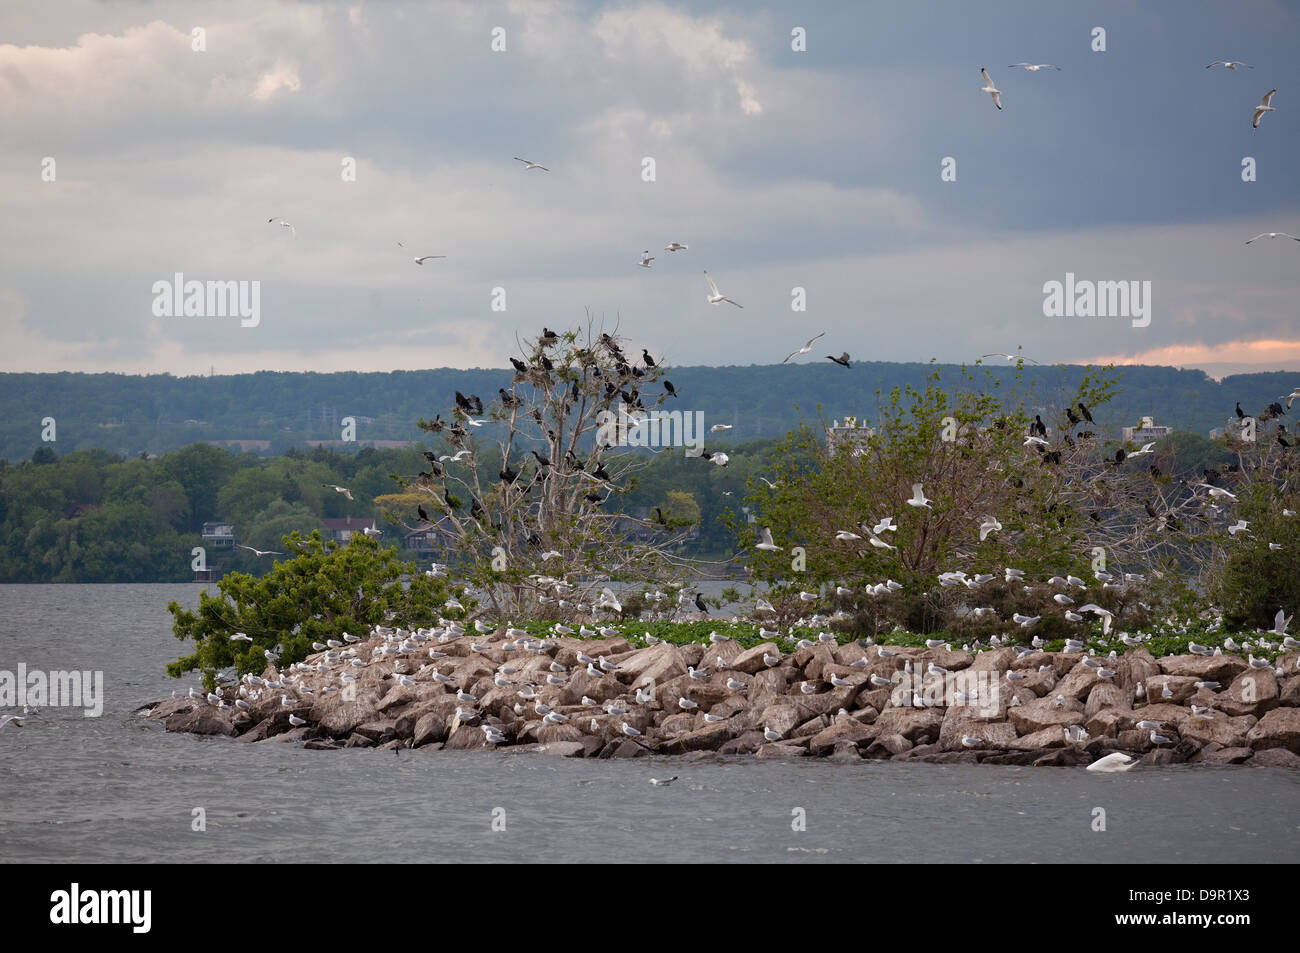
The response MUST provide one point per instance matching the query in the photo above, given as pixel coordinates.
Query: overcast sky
(817, 169)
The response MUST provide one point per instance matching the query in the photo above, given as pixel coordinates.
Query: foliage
(324, 591)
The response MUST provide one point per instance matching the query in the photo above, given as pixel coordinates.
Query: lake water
(118, 788)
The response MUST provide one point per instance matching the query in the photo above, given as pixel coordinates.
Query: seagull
(1115, 761)
(845, 536)
(531, 165)
(771, 735)
(240, 636)
(1274, 235)
(1229, 64)
(717, 297)
(676, 246)
(663, 782)
(990, 88)
(805, 349)
(259, 552)
(1009, 357)
(16, 719)
(629, 730)
(292, 231)
(1159, 739)
(885, 524)
(646, 258)
(718, 428)
(340, 489)
(1280, 622)
(423, 259)
(1030, 67)
(990, 525)
(765, 542)
(1262, 108)
(296, 721)
(918, 498)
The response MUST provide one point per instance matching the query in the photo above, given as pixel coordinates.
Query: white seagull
(292, 231)
(717, 297)
(646, 258)
(1229, 64)
(990, 88)
(531, 165)
(1272, 235)
(805, 349)
(918, 498)
(765, 541)
(1262, 108)
(1029, 67)
(421, 260)
(676, 246)
(1115, 761)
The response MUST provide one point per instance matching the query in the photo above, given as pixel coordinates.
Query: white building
(1145, 432)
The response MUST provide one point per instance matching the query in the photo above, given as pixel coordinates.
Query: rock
(1210, 668)
(746, 743)
(201, 719)
(467, 737)
(260, 732)
(657, 663)
(995, 734)
(1280, 728)
(708, 738)
(377, 731)
(1276, 758)
(1106, 722)
(337, 717)
(1224, 731)
(1062, 758)
(564, 749)
(624, 749)
(1183, 687)
(1060, 662)
(846, 731)
(1167, 715)
(168, 707)
(1040, 683)
(1134, 666)
(359, 741)
(1289, 692)
(1253, 692)
(295, 734)
(814, 659)
(885, 746)
(1050, 737)
(750, 661)
(1046, 712)
(1228, 756)
(1106, 694)
(845, 753)
(603, 689)
(1158, 756)
(770, 752)
(994, 660)
(811, 727)
(546, 734)
(917, 725)
(780, 716)
(1078, 683)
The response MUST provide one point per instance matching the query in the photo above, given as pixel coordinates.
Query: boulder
(1050, 737)
(1279, 728)
(1253, 692)
(1182, 688)
(958, 722)
(885, 746)
(770, 752)
(1228, 756)
(994, 660)
(201, 719)
(750, 661)
(1211, 668)
(1224, 731)
(1046, 713)
(564, 749)
(1276, 758)
(1106, 694)
(746, 743)
(843, 732)
(917, 725)
(1078, 683)
(708, 738)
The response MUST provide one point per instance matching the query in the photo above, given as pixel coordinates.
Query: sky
(818, 169)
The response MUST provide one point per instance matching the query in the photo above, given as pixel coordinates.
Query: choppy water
(116, 788)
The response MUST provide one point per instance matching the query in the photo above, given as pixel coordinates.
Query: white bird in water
(1272, 235)
(1115, 761)
(422, 259)
(16, 719)
(663, 782)
(717, 297)
(805, 349)
(531, 165)
(676, 246)
(918, 497)
(1262, 108)
(990, 88)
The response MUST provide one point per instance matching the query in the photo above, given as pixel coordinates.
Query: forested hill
(129, 415)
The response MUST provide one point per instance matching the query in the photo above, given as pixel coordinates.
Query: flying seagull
(717, 297)
(803, 350)
(1262, 108)
(259, 552)
(294, 232)
(341, 489)
(676, 246)
(1031, 67)
(1272, 235)
(531, 165)
(990, 88)
(918, 498)
(1229, 64)
(646, 258)
(1010, 357)
(421, 261)
(765, 542)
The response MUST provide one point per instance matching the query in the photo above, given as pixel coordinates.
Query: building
(218, 535)
(848, 433)
(340, 530)
(1145, 432)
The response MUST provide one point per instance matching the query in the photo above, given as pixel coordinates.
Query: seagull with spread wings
(717, 297)
(803, 350)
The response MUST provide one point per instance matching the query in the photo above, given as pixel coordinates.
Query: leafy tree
(320, 593)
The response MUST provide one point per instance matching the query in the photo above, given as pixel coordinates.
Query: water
(117, 788)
